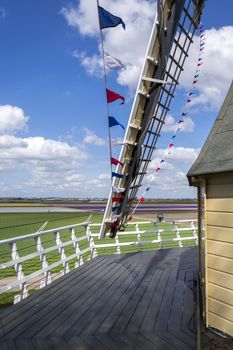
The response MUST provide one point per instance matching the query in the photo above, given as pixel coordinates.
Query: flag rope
(105, 84)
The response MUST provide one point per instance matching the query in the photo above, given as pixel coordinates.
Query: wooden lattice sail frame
(171, 37)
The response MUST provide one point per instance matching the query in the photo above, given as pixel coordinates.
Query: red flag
(194, 81)
(142, 200)
(116, 161)
(202, 35)
(189, 100)
(113, 96)
(117, 199)
(170, 145)
(199, 64)
(157, 170)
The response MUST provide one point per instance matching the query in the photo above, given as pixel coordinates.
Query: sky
(53, 119)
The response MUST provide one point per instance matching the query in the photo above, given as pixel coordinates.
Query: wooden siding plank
(220, 179)
(220, 263)
(221, 219)
(219, 191)
(219, 204)
(219, 323)
(220, 248)
(219, 293)
(221, 309)
(217, 233)
(220, 278)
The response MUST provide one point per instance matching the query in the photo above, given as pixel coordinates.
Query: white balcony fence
(34, 260)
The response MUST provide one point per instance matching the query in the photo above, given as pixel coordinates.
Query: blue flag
(108, 20)
(115, 208)
(113, 122)
(117, 175)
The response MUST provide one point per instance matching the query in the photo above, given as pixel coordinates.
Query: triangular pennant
(157, 170)
(118, 189)
(170, 145)
(115, 208)
(117, 199)
(116, 161)
(119, 176)
(113, 96)
(108, 20)
(113, 62)
(112, 122)
(115, 142)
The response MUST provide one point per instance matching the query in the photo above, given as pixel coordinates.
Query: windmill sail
(171, 37)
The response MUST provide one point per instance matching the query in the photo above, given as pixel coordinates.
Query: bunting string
(184, 114)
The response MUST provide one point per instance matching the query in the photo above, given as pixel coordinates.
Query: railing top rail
(151, 222)
(41, 233)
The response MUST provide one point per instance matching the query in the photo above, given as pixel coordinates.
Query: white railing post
(62, 253)
(139, 238)
(44, 263)
(118, 247)
(194, 232)
(76, 247)
(19, 273)
(91, 242)
(158, 235)
(177, 233)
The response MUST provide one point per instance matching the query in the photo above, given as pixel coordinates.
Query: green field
(18, 224)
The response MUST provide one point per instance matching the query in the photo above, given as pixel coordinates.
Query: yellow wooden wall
(219, 252)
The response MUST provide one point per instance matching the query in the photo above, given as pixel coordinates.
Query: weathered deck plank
(140, 300)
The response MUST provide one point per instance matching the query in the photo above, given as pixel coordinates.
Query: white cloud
(12, 118)
(215, 74)
(84, 17)
(182, 154)
(92, 139)
(92, 65)
(171, 124)
(10, 141)
(129, 45)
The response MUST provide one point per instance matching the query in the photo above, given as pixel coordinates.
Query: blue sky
(53, 124)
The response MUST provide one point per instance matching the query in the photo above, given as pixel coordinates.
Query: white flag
(118, 189)
(116, 142)
(115, 217)
(113, 62)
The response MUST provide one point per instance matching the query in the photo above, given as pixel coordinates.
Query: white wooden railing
(50, 248)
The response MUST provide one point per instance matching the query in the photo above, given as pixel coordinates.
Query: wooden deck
(135, 301)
